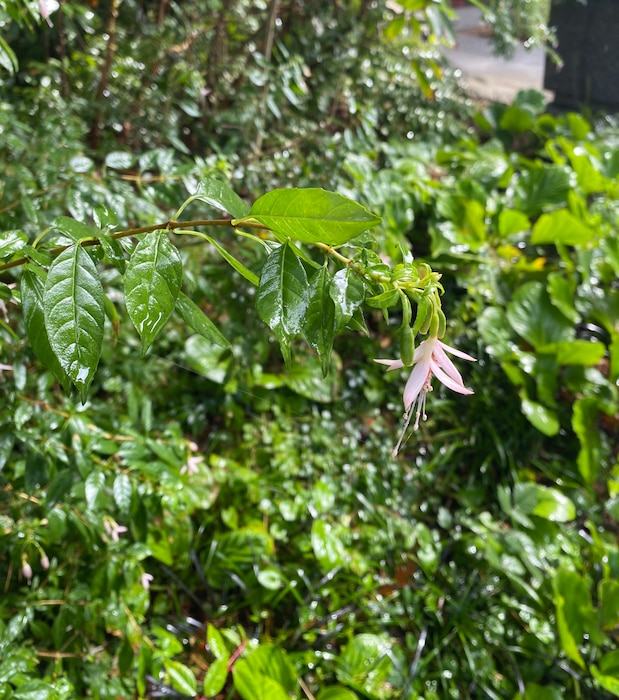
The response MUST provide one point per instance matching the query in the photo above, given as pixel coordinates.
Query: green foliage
(211, 522)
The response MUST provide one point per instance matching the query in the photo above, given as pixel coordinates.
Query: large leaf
(32, 295)
(535, 319)
(561, 227)
(310, 215)
(542, 187)
(265, 674)
(320, 317)
(220, 195)
(152, 285)
(75, 315)
(282, 296)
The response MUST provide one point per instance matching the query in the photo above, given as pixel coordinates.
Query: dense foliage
(210, 522)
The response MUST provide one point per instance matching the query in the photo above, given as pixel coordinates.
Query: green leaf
(328, 547)
(511, 222)
(306, 378)
(216, 642)
(310, 215)
(570, 593)
(8, 59)
(215, 677)
(74, 229)
(119, 160)
(365, 665)
(543, 501)
(113, 252)
(576, 352)
(181, 677)
(220, 195)
(533, 317)
(540, 417)
(196, 319)
(265, 673)
(282, 296)
(336, 692)
(32, 295)
(233, 262)
(385, 300)
(609, 683)
(152, 285)
(122, 491)
(608, 595)
(75, 315)
(319, 326)
(561, 227)
(11, 242)
(541, 187)
(93, 488)
(584, 422)
(561, 292)
(348, 294)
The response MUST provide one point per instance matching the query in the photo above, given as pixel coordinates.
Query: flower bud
(26, 571)
(45, 562)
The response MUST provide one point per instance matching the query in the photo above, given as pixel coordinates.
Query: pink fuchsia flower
(145, 580)
(46, 7)
(430, 360)
(113, 529)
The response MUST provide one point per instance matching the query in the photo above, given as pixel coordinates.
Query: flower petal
(415, 383)
(449, 382)
(441, 359)
(455, 351)
(391, 364)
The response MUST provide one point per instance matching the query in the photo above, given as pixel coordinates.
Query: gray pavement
(485, 75)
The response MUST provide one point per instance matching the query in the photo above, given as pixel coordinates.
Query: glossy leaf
(196, 319)
(122, 490)
(533, 317)
(11, 242)
(32, 295)
(348, 294)
(365, 665)
(182, 678)
(216, 642)
(542, 187)
(152, 285)
(541, 417)
(310, 215)
(75, 315)
(265, 673)
(74, 229)
(543, 501)
(328, 547)
(282, 296)
(220, 195)
(573, 603)
(319, 328)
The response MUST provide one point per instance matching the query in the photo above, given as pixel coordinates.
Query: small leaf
(216, 642)
(233, 262)
(220, 195)
(152, 285)
(327, 546)
(11, 242)
(93, 488)
(215, 678)
(310, 215)
(181, 677)
(543, 501)
(336, 692)
(122, 491)
(540, 417)
(113, 252)
(584, 422)
(282, 296)
(385, 300)
(319, 326)
(32, 295)
(196, 319)
(119, 160)
(75, 315)
(348, 294)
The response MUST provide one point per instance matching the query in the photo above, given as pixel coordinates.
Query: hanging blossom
(46, 7)
(430, 360)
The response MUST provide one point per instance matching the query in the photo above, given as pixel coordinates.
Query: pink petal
(441, 359)
(391, 364)
(449, 382)
(455, 351)
(415, 383)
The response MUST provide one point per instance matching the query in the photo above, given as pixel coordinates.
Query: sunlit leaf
(310, 215)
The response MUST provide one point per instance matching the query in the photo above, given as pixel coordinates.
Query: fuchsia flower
(46, 7)
(430, 360)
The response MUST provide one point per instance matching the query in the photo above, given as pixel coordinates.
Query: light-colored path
(488, 76)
